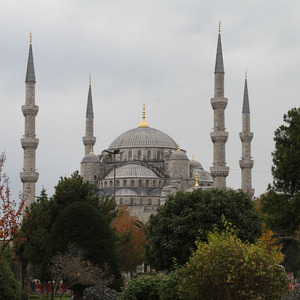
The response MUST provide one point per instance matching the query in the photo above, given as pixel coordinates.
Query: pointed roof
(30, 75)
(89, 108)
(246, 107)
(219, 68)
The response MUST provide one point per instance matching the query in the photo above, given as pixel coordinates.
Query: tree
(32, 242)
(72, 268)
(172, 231)
(8, 284)
(130, 240)
(226, 268)
(82, 225)
(286, 157)
(10, 213)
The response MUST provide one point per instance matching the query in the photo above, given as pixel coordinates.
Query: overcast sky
(159, 52)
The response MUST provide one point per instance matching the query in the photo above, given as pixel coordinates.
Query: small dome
(91, 158)
(180, 155)
(196, 164)
(202, 175)
(126, 192)
(132, 171)
(143, 137)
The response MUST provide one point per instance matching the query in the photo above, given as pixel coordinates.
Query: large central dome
(143, 137)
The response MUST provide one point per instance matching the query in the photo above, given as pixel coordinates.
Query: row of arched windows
(133, 201)
(133, 183)
(140, 155)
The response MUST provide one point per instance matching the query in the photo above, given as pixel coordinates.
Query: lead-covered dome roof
(143, 137)
(131, 171)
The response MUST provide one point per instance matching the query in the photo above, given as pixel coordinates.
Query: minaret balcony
(89, 140)
(246, 163)
(219, 136)
(246, 136)
(219, 171)
(218, 102)
(29, 143)
(29, 176)
(30, 110)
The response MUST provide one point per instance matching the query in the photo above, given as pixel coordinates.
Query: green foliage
(225, 268)
(286, 157)
(173, 230)
(8, 284)
(144, 287)
(168, 286)
(82, 225)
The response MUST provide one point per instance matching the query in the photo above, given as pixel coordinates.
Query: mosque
(144, 165)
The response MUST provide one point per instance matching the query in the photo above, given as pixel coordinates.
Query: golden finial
(144, 123)
(178, 148)
(30, 38)
(196, 183)
(91, 151)
(246, 74)
(90, 79)
(219, 26)
(193, 158)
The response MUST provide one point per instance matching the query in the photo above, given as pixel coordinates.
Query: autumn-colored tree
(131, 239)
(226, 268)
(10, 212)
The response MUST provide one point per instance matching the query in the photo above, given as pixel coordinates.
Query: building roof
(143, 137)
(132, 171)
(178, 155)
(91, 158)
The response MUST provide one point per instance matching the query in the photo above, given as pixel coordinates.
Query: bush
(144, 287)
(8, 284)
(225, 268)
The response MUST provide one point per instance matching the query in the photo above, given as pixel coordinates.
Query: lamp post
(114, 152)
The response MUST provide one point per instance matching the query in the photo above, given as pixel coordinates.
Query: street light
(114, 152)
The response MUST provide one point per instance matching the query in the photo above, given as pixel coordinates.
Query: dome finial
(196, 183)
(246, 74)
(143, 123)
(91, 151)
(178, 148)
(193, 158)
(30, 38)
(220, 26)
(90, 79)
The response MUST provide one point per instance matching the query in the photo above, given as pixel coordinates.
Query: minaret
(246, 163)
(89, 140)
(219, 136)
(29, 142)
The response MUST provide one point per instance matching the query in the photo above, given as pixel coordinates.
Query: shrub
(8, 284)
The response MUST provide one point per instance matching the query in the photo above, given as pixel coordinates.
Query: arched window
(158, 155)
(130, 155)
(140, 182)
(149, 155)
(105, 184)
(125, 182)
(118, 182)
(154, 182)
(121, 201)
(139, 155)
(149, 202)
(141, 201)
(131, 201)
(147, 182)
(160, 184)
(110, 183)
(132, 183)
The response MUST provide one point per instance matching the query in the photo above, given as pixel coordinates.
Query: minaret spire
(143, 123)
(29, 142)
(246, 163)
(219, 136)
(89, 140)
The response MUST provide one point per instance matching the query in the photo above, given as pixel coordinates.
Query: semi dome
(143, 137)
(178, 155)
(132, 171)
(196, 165)
(126, 192)
(202, 175)
(91, 158)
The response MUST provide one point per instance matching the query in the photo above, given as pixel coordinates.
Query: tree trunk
(78, 292)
